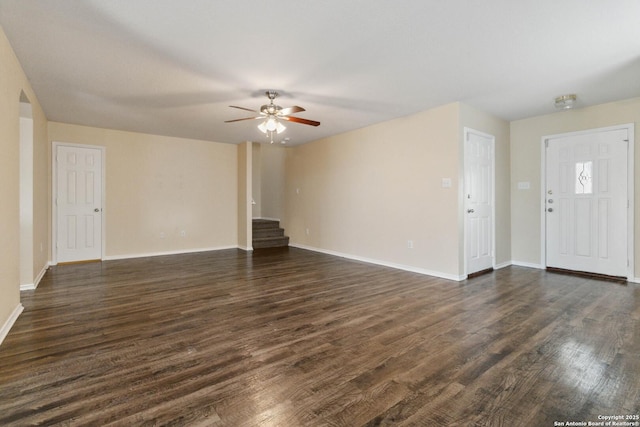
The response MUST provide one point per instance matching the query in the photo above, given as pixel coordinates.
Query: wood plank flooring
(296, 338)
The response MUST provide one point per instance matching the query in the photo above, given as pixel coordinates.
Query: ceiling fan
(272, 114)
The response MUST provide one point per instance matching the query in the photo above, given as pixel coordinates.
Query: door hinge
(546, 143)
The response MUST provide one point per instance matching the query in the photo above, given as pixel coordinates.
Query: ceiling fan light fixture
(565, 102)
(271, 116)
(271, 124)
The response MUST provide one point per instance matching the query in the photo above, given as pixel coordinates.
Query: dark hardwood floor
(296, 338)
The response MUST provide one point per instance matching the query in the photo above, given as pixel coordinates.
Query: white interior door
(479, 200)
(586, 202)
(78, 203)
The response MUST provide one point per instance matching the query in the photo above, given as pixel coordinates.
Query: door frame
(466, 132)
(630, 191)
(54, 193)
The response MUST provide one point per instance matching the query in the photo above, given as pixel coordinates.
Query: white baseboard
(528, 264)
(178, 252)
(246, 248)
(383, 263)
(10, 321)
(36, 282)
(502, 265)
(267, 218)
(542, 267)
(43, 271)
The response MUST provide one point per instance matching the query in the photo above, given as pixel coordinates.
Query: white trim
(382, 263)
(630, 191)
(4, 331)
(245, 248)
(36, 282)
(268, 219)
(492, 139)
(543, 200)
(631, 211)
(502, 265)
(177, 252)
(528, 265)
(54, 192)
(634, 280)
(43, 271)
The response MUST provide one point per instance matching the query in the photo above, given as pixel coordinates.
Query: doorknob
(550, 210)
(470, 211)
(96, 210)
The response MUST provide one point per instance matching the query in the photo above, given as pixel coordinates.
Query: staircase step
(268, 232)
(270, 242)
(265, 223)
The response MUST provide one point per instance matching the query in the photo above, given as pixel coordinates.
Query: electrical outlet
(183, 233)
(162, 235)
(307, 231)
(410, 244)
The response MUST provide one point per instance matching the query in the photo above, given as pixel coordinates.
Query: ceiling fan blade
(299, 120)
(246, 118)
(291, 110)
(242, 108)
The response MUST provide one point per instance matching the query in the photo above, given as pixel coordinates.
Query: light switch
(446, 182)
(524, 185)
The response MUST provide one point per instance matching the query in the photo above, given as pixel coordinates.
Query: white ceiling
(173, 67)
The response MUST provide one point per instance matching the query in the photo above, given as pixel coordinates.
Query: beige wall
(244, 189)
(256, 180)
(13, 82)
(272, 181)
(268, 178)
(156, 184)
(526, 137)
(484, 122)
(367, 192)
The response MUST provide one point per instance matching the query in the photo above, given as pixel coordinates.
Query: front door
(586, 202)
(78, 203)
(479, 199)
